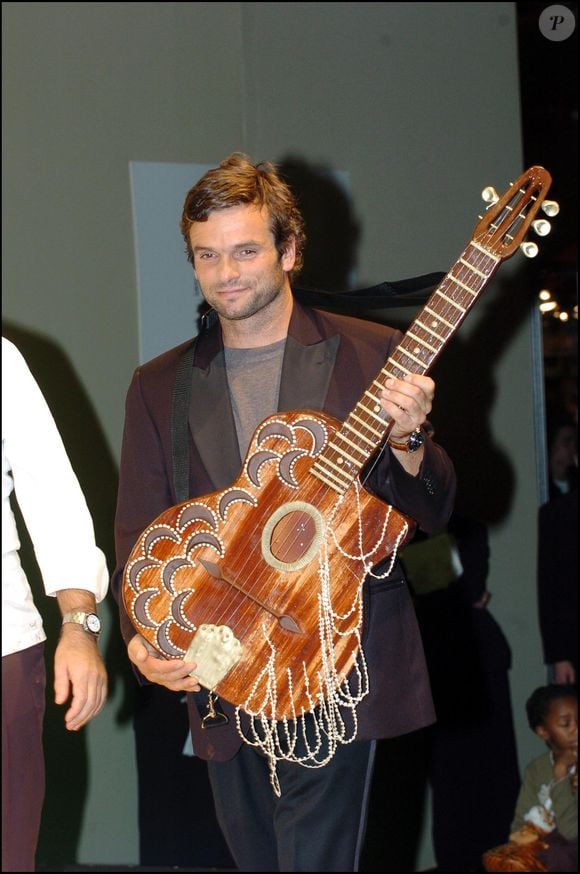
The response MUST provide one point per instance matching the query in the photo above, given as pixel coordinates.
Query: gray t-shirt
(254, 381)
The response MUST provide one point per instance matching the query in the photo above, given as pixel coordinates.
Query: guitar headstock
(504, 225)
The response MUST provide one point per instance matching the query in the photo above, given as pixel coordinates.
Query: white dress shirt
(36, 467)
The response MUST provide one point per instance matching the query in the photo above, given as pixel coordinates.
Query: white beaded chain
(277, 739)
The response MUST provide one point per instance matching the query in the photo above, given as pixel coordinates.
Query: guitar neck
(443, 313)
(365, 428)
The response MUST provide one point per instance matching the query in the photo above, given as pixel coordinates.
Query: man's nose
(228, 268)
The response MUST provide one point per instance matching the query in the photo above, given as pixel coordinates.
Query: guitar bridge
(215, 650)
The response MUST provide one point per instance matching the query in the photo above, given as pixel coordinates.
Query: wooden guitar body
(276, 562)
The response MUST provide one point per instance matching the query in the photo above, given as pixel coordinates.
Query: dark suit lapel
(306, 374)
(212, 423)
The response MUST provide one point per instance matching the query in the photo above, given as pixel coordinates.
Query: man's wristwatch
(415, 441)
(89, 621)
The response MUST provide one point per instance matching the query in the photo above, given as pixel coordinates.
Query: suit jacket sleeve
(144, 483)
(428, 497)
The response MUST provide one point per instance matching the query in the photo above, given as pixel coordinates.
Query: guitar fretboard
(367, 426)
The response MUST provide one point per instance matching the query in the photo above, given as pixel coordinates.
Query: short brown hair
(236, 182)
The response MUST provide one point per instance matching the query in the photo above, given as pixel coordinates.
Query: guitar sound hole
(292, 536)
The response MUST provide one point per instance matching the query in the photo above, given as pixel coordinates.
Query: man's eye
(247, 253)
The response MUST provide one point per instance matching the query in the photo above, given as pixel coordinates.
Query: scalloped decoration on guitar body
(250, 558)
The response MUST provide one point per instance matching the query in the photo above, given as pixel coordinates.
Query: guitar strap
(398, 293)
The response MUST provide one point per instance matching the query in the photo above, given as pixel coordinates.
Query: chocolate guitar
(260, 584)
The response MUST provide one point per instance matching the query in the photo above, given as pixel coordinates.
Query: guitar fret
(350, 443)
(485, 252)
(377, 417)
(366, 425)
(342, 470)
(392, 369)
(430, 330)
(348, 458)
(440, 317)
(452, 302)
(333, 485)
(347, 424)
(372, 397)
(419, 340)
(413, 357)
(472, 268)
(398, 364)
(373, 412)
(462, 285)
(341, 477)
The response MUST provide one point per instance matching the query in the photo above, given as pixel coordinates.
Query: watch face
(416, 439)
(93, 623)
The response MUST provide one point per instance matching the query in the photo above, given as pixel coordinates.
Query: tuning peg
(490, 195)
(542, 227)
(551, 207)
(529, 249)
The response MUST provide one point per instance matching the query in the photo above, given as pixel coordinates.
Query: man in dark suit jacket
(190, 417)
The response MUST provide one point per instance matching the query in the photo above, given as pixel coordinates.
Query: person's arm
(79, 671)
(421, 484)
(58, 520)
(527, 798)
(408, 403)
(46, 487)
(144, 493)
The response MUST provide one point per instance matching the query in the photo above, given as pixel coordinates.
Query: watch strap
(415, 441)
(80, 617)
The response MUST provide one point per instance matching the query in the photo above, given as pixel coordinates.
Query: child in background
(544, 831)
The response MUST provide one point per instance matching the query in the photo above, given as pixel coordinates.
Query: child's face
(560, 727)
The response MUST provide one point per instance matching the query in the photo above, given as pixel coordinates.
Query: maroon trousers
(23, 780)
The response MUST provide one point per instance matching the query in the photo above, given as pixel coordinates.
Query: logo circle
(557, 23)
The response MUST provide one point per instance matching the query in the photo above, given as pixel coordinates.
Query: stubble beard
(256, 297)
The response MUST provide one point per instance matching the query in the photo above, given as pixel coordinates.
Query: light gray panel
(168, 294)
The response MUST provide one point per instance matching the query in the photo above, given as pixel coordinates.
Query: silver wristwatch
(414, 441)
(89, 621)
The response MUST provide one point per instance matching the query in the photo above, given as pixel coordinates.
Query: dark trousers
(23, 781)
(317, 824)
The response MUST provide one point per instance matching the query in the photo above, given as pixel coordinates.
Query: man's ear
(289, 255)
(542, 733)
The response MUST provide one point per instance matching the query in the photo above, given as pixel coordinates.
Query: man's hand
(408, 403)
(174, 674)
(79, 670)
